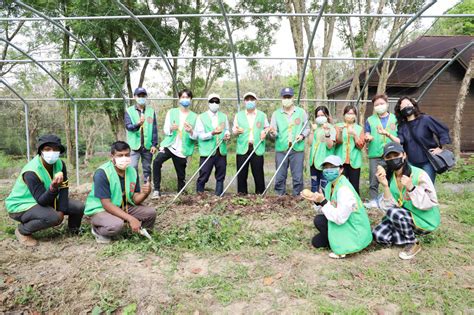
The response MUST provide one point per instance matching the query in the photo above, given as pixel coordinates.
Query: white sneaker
(371, 204)
(156, 195)
(336, 256)
(100, 239)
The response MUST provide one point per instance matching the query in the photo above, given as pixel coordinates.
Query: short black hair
(187, 91)
(118, 146)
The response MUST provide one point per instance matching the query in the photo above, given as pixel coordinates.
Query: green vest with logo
(319, 149)
(188, 143)
(375, 146)
(353, 235)
(206, 147)
(20, 198)
(93, 204)
(255, 131)
(133, 137)
(424, 219)
(288, 130)
(348, 146)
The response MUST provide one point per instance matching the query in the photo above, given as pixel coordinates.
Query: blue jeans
(428, 168)
(317, 179)
(146, 157)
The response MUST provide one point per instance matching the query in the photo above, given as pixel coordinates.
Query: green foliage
(456, 26)
(463, 172)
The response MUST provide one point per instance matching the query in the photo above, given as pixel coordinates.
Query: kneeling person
(116, 197)
(344, 225)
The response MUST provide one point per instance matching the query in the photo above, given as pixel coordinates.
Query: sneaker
(336, 256)
(100, 239)
(371, 204)
(156, 195)
(410, 251)
(26, 240)
(317, 209)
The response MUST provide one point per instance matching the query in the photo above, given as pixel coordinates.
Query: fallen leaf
(268, 281)
(278, 275)
(9, 280)
(196, 270)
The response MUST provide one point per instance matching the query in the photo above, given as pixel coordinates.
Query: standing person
(322, 145)
(410, 201)
(350, 142)
(212, 127)
(418, 133)
(178, 143)
(380, 129)
(116, 197)
(289, 126)
(343, 226)
(142, 134)
(251, 127)
(40, 197)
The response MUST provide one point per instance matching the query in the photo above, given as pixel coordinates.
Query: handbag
(441, 162)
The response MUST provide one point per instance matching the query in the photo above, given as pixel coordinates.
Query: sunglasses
(215, 101)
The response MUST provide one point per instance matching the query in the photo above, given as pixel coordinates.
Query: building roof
(415, 73)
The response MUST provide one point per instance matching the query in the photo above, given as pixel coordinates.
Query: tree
(456, 26)
(463, 92)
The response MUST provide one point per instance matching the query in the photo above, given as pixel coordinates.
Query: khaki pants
(107, 224)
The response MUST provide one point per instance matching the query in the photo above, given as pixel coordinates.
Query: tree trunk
(197, 35)
(461, 101)
(297, 35)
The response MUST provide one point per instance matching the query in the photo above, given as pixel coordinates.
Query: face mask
(331, 173)
(395, 164)
(213, 107)
(350, 117)
(321, 120)
(287, 102)
(141, 101)
(50, 157)
(408, 111)
(381, 109)
(122, 162)
(250, 105)
(185, 102)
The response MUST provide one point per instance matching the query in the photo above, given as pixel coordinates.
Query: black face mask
(395, 164)
(408, 111)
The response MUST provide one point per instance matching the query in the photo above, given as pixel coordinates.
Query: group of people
(39, 198)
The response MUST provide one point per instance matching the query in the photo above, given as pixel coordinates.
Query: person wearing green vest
(251, 127)
(289, 127)
(178, 143)
(212, 126)
(410, 201)
(40, 196)
(322, 140)
(142, 134)
(344, 226)
(350, 142)
(116, 197)
(380, 129)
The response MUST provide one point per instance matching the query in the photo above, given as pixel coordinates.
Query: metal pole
(232, 49)
(153, 41)
(446, 66)
(390, 44)
(171, 99)
(26, 116)
(76, 140)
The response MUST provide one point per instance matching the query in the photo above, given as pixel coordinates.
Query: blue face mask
(185, 102)
(331, 173)
(250, 105)
(141, 100)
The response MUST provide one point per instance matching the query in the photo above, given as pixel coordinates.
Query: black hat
(52, 140)
(392, 147)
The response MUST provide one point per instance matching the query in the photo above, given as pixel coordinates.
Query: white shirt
(177, 147)
(346, 203)
(200, 131)
(251, 116)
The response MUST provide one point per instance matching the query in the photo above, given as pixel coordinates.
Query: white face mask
(321, 120)
(350, 117)
(141, 101)
(122, 162)
(381, 109)
(287, 102)
(213, 107)
(50, 157)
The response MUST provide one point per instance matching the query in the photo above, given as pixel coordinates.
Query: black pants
(39, 218)
(220, 162)
(321, 239)
(353, 175)
(179, 166)
(256, 164)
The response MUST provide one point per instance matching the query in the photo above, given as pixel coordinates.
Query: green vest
(243, 139)
(21, 199)
(93, 204)
(188, 143)
(354, 234)
(206, 147)
(288, 131)
(424, 219)
(133, 137)
(319, 149)
(376, 145)
(348, 146)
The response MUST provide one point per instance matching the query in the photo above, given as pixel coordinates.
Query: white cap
(333, 159)
(250, 94)
(213, 95)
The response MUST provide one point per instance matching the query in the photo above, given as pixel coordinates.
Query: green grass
(463, 172)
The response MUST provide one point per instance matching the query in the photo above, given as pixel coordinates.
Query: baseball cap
(392, 147)
(140, 90)
(287, 92)
(250, 94)
(332, 159)
(213, 95)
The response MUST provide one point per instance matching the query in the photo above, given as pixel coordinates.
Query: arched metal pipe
(446, 66)
(232, 49)
(153, 41)
(390, 44)
(27, 133)
(65, 91)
